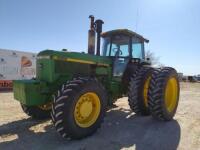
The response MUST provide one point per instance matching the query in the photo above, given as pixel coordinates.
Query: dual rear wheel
(154, 91)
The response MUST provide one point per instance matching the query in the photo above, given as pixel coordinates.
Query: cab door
(121, 51)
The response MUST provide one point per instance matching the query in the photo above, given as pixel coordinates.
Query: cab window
(137, 48)
(118, 46)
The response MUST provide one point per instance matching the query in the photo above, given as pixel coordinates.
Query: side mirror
(148, 59)
(64, 50)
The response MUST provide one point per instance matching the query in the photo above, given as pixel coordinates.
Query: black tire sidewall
(141, 91)
(136, 91)
(172, 74)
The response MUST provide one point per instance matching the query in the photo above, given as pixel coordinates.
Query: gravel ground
(121, 129)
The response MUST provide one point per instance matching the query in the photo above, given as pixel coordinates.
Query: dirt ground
(121, 129)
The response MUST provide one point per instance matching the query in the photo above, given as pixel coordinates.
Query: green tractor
(76, 89)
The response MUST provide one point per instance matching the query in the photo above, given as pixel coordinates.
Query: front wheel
(79, 108)
(37, 112)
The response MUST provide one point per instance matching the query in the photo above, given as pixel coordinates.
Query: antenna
(137, 18)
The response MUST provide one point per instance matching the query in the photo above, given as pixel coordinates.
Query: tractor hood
(75, 57)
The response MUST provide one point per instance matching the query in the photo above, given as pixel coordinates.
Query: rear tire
(138, 89)
(36, 112)
(164, 93)
(79, 108)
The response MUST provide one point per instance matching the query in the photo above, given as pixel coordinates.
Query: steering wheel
(117, 51)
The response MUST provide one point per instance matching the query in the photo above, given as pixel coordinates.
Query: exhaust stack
(91, 36)
(99, 24)
(94, 27)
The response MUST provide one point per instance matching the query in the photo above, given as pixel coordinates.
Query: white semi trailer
(16, 65)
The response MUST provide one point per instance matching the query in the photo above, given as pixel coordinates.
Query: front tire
(164, 93)
(79, 108)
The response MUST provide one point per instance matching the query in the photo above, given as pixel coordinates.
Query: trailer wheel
(138, 89)
(164, 93)
(37, 112)
(79, 108)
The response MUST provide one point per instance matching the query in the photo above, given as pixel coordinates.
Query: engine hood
(75, 57)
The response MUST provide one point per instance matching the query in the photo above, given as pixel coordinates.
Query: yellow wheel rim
(145, 91)
(171, 94)
(46, 106)
(87, 109)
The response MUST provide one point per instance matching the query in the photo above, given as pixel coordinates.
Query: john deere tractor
(77, 88)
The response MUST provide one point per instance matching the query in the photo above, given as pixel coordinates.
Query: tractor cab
(123, 46)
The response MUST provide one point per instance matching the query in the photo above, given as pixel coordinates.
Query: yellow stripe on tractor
(79, 61)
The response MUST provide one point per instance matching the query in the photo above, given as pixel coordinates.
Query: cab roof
(125, 32)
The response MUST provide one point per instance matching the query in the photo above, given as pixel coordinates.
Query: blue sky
(172, 26)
